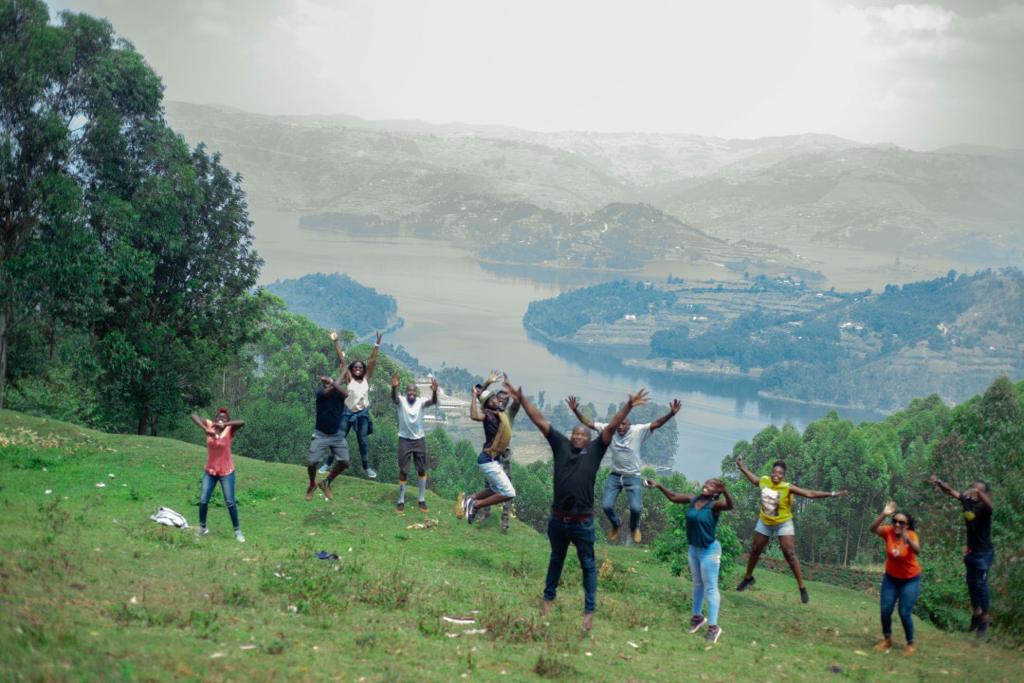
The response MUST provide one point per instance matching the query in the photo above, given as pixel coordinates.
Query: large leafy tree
(67, 91)
(110, 224)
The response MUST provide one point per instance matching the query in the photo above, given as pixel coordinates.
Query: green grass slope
(91, 589)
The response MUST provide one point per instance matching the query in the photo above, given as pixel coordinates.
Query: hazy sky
(920, 75)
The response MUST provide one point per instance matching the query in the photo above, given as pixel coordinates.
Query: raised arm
(235, 425)
(394, 389)
(632, 401)
(475, 413)
(337, 348)
(889, 508)
(536, 417)
(944, 487)
(372, 363)
(574, 406)
(810, 493)
(332, 386)
(726, 501)
(432, 401)
(205, 425)
(751, 477)
(673, 408)
(671, 495)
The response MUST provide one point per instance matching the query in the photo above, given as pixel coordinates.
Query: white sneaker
(324, 469)
(239, 536)
(371, 473)
(201, 531)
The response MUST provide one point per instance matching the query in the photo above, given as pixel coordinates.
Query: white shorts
(497, 480)
(786, 528)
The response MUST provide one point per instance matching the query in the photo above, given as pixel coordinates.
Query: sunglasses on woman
(900, 521)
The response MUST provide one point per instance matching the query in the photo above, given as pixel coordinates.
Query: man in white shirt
(412, 442)
(626, 465)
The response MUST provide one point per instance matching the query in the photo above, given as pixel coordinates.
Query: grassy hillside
(92, 590)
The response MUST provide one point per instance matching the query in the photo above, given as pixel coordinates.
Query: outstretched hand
(932, 479)
(380, 335)
(476, 392)
(433, 384)
(514, 392)
(573, 403)
(334, 336)
(675, 405)
(649, 484)
(638, 399)
(889, 508)
(394, 381)
(842, 492)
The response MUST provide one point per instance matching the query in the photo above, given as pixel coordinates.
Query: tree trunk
(3, 356)
(143, 420)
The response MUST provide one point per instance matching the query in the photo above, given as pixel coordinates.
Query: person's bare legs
(788, 544)
(756, 548)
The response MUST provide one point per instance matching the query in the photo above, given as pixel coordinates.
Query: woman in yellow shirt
(776, 519)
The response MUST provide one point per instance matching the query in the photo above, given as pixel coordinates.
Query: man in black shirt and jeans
(977, 505)
(576, 461)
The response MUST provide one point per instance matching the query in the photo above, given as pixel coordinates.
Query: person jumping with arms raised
(576, 460)
(357, 402)
(412, 439)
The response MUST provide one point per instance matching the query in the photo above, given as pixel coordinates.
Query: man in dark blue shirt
(576, 460)
(328, 438)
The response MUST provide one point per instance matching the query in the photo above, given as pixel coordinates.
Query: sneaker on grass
(371, 473)
(746, 583)
(399, 507)
(239, 536)
(804, 597)
(423, 506)
(324, 469)
(713, 634)
(696, 621)
(310, 490)
(201, 531)
(460, 505)
(326, 488)
(471, 510)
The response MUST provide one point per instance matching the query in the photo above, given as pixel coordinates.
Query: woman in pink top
(219, 467)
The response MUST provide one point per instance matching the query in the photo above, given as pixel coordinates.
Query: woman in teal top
(705, 551)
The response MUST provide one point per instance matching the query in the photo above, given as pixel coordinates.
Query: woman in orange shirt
(902, 580)
(220, 466)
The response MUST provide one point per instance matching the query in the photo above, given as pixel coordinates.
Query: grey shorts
(415, 449)
(321, 445)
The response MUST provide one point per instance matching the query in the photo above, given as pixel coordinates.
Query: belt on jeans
(566, 517)
(623, 474)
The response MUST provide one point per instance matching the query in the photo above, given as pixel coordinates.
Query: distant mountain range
(963, 202)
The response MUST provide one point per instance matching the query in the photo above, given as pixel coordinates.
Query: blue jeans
(361, 420)
(978, 565)
(227, 485)
(704, 566)
(906, 591)
(634, 493)
(580, 534)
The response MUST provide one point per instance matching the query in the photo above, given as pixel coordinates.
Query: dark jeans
(227, 485)
(361, 420)
(634, 487)
(906, 592)
(978, 565)
(581, 535)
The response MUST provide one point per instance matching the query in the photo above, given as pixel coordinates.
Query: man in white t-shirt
(412, 442)
(626, 465)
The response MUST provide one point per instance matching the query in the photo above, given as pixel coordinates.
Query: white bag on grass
(169, 517)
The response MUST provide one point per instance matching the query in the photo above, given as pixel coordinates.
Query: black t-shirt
(575, 473)
(329, 407)
(978, 520)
